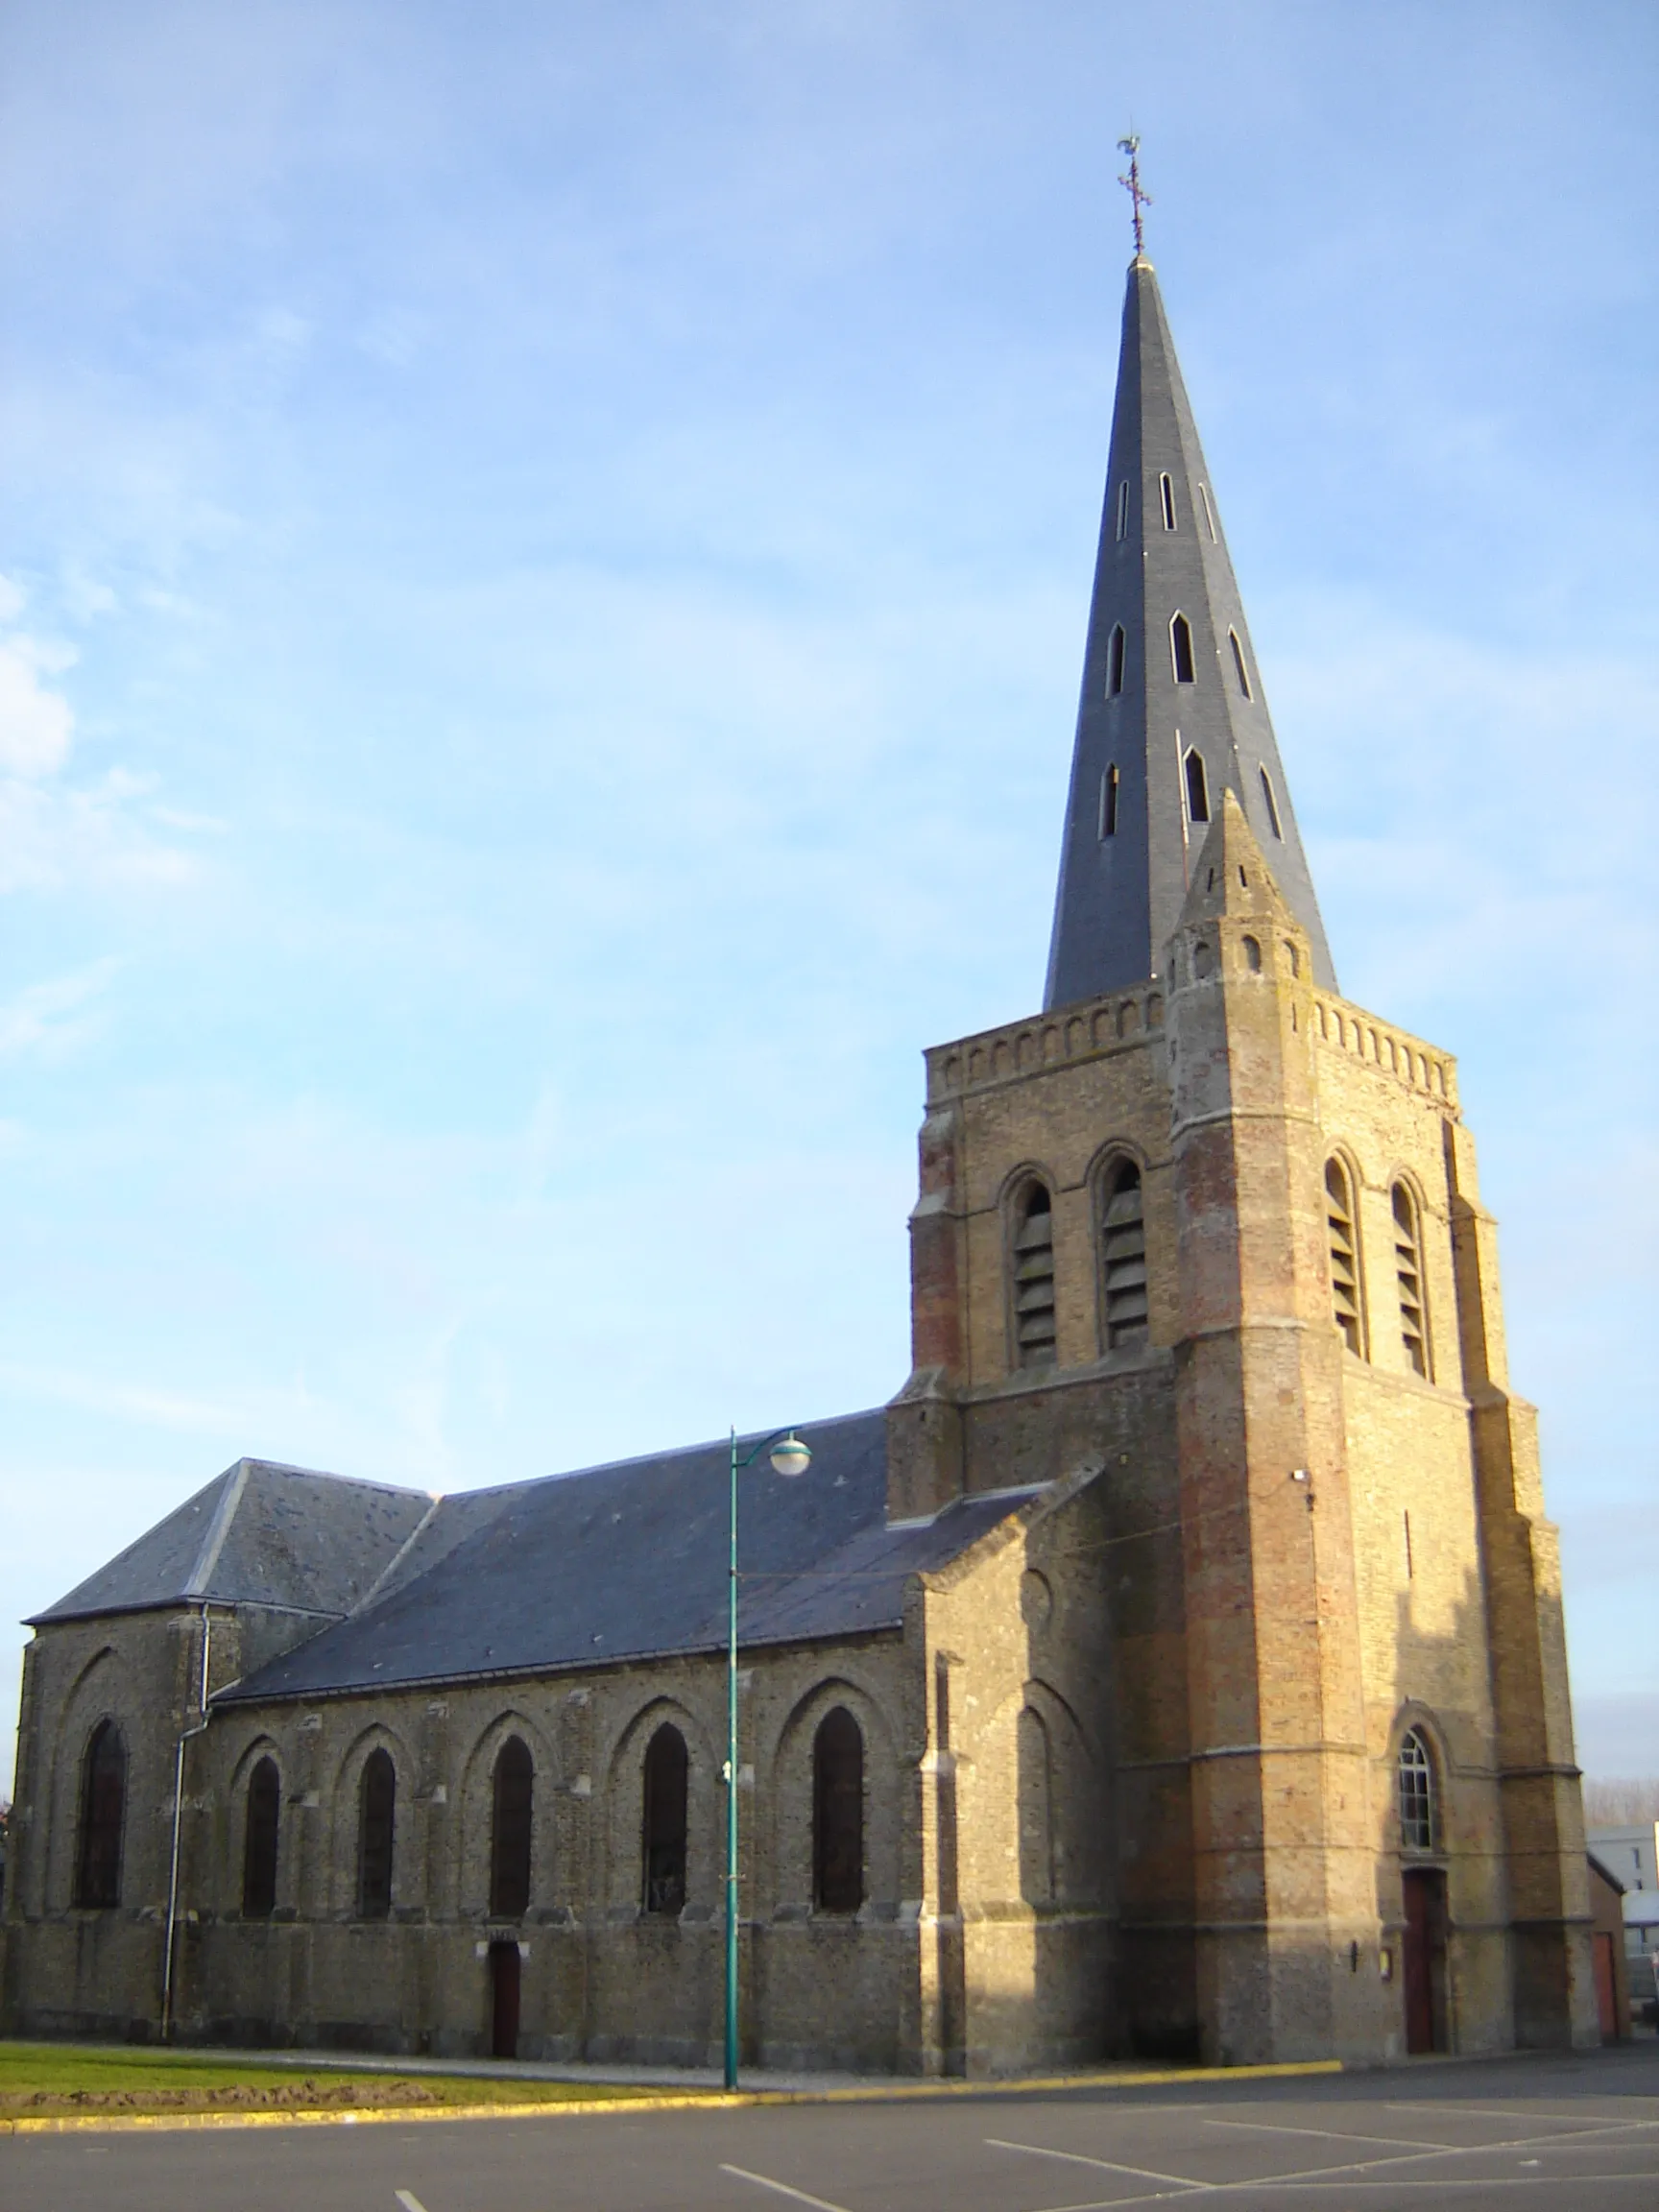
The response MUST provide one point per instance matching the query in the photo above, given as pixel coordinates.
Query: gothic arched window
(667, 1774)
(1197, 786)
(1415, 1773)
(1033, 1286)
(1167, 492)
(1109, 801)
(1123, 1255)
(1409, 1274)
(1344, 1256)
(1114, 662)
(838, 1813)
(376, 1821)
(264, 1816)
(1122, 509)
(103, 1817)
(1181, 648)
(511, 1815)
(1242, 672)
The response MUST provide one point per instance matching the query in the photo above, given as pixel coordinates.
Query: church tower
(1205, 1237)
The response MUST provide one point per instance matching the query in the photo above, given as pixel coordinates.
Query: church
(1175, 1665)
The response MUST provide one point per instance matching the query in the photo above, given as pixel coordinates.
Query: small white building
(1631, 1856)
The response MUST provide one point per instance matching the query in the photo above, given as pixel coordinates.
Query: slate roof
(258, 1534)
(629, 1562)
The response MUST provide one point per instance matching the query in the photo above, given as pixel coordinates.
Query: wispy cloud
(55, 830)
(52, 1017)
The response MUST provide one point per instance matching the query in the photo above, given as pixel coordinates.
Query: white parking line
(1105, 2165)
(781, 2188)
(1330, 2134)
(1309, 2179)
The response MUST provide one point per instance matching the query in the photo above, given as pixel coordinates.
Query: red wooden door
(1424, 1959)
(504, 1999)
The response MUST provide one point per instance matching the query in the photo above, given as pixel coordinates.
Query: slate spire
(1173, 712)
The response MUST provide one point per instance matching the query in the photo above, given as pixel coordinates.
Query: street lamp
(789, 1458)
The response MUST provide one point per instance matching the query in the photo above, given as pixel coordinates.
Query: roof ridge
(402, 1551)
(217, 1530)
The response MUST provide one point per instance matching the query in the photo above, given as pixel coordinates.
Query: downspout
(178, 1827)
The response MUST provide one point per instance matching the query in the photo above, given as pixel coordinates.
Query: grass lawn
(46, 2080)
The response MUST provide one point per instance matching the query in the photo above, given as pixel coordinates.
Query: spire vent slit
(1167, 492)
(1197, 793)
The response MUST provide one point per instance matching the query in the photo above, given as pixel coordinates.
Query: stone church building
(1174, 1665)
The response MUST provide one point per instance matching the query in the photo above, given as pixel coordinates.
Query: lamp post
(789, 1457)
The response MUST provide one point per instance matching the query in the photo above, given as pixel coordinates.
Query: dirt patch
(309, 2093)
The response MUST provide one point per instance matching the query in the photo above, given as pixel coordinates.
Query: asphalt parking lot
(1547, 2132)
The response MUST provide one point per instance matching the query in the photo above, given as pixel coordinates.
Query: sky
(541, 598)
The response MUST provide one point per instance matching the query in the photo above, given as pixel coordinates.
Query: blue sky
(544, 579)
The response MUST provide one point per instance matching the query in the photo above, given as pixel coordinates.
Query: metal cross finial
(1132, 185)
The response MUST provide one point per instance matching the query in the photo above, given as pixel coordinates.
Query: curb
(690, 2100)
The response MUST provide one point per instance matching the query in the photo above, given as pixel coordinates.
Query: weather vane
(1132, 185)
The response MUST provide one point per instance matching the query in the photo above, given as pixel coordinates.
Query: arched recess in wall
(460, 1878)
(1050, 1843)
(786, 1867)
(1031, 1274)
(101, 1831)
(619, 1802)
(1034, 1788)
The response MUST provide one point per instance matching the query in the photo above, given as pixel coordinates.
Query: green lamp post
(789, 1458)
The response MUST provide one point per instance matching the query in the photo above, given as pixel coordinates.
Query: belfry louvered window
(1033, 1286)
(1181, 648)
(1408, 1273)
(1123, 1257)
(1344, 1256)
(1114, 662)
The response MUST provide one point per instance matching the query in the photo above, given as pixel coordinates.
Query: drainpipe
(178, 1826)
